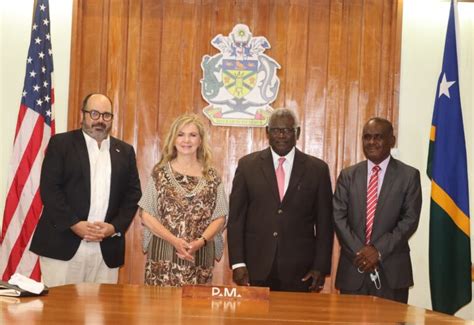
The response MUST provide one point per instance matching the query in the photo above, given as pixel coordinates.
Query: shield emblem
(239, 76)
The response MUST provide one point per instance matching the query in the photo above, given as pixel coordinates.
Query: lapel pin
(117, 149)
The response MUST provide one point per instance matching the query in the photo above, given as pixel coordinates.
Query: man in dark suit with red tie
(90, 188)
(377, 207)
(280, 230)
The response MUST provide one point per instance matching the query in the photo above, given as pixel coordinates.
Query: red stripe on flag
(21, 115)
(29, 226)
(36, 273)
(22, 174)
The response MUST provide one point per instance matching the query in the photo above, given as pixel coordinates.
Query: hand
(241, 276)
(318, 280)
(182, 248)
(103, 229)
(195, 245)
(367, 259)
(86, 230)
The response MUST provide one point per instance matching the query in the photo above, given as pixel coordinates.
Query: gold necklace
(181, 189)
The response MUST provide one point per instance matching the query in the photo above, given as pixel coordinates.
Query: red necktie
(371, 202)
(280, 174)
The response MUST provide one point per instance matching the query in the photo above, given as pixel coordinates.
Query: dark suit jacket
(396, 219)
(65, 191)
(297, 231)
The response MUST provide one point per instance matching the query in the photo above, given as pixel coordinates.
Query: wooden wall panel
(339, 66)
(296, 59)
(130, 111)
(352, 85)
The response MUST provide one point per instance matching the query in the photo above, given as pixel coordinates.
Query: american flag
(35, 125)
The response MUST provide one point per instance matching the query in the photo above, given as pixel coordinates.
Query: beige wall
(15, 25)
(424, 27)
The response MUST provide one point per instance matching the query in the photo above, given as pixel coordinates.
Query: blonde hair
(169, 152)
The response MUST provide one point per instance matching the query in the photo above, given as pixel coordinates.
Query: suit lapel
(81, 148)
(296, 173)
(115, 156)
(268, 170)
(361, 188)
(388, 181)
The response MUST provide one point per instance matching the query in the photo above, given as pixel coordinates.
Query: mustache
(100, 124)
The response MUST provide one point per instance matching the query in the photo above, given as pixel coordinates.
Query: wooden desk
(134, 304)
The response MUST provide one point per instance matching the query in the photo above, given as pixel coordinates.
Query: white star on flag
(444, 86)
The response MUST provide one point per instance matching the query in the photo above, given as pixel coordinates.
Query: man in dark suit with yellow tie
(280, 231)
(377, 207)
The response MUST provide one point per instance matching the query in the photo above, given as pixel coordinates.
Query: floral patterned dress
(185, 205)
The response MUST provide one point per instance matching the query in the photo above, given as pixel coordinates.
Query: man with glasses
(90, 188)
(280, 229)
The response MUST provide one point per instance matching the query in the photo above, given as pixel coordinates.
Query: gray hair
(283, 112)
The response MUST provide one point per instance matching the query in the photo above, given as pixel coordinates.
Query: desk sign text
(225, 292)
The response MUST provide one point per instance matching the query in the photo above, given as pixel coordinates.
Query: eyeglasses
(95, 115)
(278, 131)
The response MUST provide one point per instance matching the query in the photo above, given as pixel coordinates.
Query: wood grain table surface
(136, 304)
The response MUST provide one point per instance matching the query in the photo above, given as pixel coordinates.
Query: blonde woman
(183, 209)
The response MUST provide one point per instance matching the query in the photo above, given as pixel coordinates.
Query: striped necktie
(372, 190)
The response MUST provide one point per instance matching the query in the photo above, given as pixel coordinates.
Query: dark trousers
(368, 288)
(276, 283)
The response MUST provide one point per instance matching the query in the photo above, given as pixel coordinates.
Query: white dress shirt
(100, 174)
